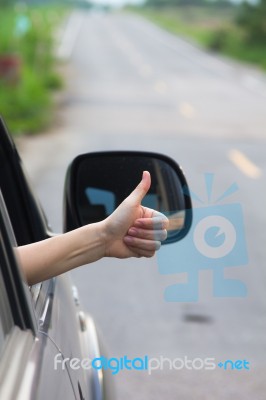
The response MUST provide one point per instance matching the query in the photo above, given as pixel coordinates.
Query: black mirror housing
(96, 183)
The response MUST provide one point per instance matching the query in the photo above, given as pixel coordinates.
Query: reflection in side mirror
(97, 183)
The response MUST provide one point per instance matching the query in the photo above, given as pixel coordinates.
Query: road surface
(131, 85)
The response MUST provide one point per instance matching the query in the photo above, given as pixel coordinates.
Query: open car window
(27, 218)
(13, 282)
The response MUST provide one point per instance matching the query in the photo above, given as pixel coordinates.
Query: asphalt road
(131, 85)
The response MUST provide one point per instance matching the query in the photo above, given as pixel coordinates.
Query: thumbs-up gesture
(133, 230)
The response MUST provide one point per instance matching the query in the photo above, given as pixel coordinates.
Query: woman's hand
(133, 230)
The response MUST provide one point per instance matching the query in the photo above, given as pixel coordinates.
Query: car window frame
(15, 283)
(6, 317)
(33, 222)
(20, 325)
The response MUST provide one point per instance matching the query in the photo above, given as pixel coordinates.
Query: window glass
(97, 197)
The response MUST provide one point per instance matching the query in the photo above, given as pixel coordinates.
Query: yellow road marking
(244, 164)
(160, 87)
(187, 110)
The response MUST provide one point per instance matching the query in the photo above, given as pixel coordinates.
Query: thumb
(141, 190)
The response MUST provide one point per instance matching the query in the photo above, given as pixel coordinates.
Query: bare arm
(131, 231)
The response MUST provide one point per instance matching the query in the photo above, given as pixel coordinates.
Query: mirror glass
(103, 182)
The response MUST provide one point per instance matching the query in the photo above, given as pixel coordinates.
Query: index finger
(159, 221)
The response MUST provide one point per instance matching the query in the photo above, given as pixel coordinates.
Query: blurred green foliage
(5, 3)
(252, 18)
(198, 23)
(238, 31)
(27, 38)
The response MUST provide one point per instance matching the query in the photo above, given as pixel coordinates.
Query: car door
(26, 368)
(51, 302)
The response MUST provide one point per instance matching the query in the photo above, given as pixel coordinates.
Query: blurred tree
(252, 17)
(4, 3)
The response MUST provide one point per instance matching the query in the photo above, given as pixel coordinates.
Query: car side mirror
(96, 183)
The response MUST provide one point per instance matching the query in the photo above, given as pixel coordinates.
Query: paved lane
(134, 86)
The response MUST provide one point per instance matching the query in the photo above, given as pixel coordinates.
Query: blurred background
(182, 77)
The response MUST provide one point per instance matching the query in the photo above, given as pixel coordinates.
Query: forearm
(59, 254)
(130, 231)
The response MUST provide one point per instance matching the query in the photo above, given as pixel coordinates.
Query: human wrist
(107, 235)
(94, 241)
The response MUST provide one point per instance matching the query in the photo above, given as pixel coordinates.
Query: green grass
(26, 102)
(214, 29)
(197, 23)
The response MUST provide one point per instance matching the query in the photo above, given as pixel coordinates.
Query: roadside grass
(26, 93)
(212, 28)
